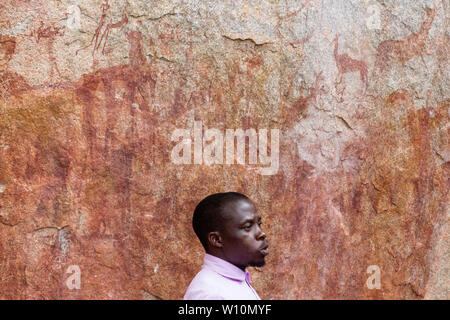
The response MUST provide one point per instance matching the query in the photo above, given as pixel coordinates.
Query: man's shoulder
(206, 274)
(205, 286)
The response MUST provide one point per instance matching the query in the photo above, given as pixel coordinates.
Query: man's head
(229, 227)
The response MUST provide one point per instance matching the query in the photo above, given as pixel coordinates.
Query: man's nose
(261, 235)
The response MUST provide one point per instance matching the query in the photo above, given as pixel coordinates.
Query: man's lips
(264, 249)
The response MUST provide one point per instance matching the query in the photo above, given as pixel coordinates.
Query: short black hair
(209, 215)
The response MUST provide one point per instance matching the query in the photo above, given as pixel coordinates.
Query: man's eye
(247, 226)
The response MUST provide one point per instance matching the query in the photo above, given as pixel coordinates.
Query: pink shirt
(220, 280)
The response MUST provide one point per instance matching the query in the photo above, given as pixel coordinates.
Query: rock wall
(94, 205)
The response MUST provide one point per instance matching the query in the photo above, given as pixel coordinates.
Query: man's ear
(215, 240)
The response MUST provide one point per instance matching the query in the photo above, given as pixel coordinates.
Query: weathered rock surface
(91, 92)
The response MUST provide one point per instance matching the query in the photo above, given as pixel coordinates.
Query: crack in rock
(241, 38)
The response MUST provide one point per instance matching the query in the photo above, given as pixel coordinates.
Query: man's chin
(257, 264)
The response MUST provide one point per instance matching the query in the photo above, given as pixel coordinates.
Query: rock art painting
(405, 49)
(353, 117)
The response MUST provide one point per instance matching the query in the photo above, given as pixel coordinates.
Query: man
(229, 228)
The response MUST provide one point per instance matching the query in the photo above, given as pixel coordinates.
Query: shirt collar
(225, 268)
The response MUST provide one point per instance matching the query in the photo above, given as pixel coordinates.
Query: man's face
(244, 243)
